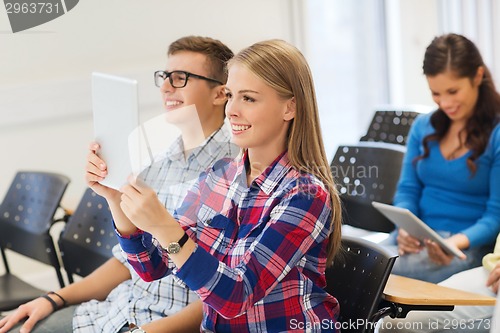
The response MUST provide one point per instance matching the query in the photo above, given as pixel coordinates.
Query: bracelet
(52, 302)
(62, 298)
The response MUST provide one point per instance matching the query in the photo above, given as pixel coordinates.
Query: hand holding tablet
(406, 220)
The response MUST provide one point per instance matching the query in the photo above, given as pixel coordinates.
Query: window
(367, 53)
(475, 19)
(345, 45)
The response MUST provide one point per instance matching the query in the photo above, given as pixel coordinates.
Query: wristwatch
(135, 329)
(175, 247)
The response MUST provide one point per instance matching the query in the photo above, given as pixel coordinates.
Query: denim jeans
(419, 266)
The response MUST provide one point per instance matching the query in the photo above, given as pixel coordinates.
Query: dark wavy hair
(456, 53)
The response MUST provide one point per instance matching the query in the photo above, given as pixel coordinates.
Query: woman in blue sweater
(451, 172)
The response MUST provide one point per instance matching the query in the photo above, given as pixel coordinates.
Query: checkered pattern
(174, 175)
(135, 300)
(261, 250)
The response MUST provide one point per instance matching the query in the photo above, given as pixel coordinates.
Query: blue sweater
(442, 192)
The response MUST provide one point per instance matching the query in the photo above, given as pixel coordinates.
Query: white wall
(45, 106)
(411, 27)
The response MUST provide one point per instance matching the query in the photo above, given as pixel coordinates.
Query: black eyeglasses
(178, 79)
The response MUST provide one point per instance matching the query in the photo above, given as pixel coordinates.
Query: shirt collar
(176, 150)
(203, 153)
(272, 176)
(212, 145)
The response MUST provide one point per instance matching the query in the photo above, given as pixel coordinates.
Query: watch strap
(175, 247)
(183, 240)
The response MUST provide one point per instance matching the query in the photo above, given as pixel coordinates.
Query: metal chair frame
(357, 279)
(87, 240)
(27, 214)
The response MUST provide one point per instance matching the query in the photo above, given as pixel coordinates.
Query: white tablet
(116, 115)
(406, 220)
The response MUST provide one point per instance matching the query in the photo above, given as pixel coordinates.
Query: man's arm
(185, 321)
(94, 286)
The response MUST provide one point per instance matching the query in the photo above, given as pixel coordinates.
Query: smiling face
(259, 117)
(197, 92)
(457, 97)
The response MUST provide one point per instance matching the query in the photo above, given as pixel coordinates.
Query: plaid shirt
(260, 258)
(173, 175)
(135, 300)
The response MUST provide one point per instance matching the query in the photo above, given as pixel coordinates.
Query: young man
(113, 296)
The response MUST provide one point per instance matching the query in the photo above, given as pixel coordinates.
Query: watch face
(173, 248)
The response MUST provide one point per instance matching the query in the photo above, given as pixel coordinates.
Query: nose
(231, 109)
(445, 102)
(166, 86)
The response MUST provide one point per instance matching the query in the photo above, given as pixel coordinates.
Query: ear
(220, 97)
(479, 76)
(291, 108)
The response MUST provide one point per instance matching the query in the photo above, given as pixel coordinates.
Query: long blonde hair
(283, 67)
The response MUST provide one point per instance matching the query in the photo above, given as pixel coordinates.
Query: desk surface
(403, 290)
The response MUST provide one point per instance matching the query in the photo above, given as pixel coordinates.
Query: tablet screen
(406, 220)
(116, 115)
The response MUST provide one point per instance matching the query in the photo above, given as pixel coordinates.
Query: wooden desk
(404, 294)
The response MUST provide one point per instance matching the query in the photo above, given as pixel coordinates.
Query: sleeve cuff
(474, 240)
(137, 242)
(190, 273)
(480, 235)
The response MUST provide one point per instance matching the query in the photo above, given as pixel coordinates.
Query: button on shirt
(136, 300)
(261, 250)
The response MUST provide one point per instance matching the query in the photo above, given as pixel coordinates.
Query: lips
(451, 112)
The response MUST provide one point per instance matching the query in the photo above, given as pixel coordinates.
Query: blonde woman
(254, 235)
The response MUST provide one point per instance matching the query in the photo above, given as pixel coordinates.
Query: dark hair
(459, 55)
(217, 53)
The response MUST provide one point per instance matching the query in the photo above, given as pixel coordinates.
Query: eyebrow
(244, 91)
(447, 90)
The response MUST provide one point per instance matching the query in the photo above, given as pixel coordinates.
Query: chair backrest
(366, 172)
(27, 214)
(390, 126)
(357, 279)
(88, 238)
